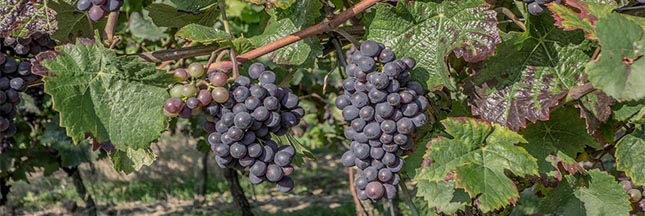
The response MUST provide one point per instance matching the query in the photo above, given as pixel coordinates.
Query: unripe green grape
(188, 90)
(176, 91)
(634, 195)
(196, 70)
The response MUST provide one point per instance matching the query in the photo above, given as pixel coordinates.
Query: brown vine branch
(359, 208)
(324, 26)
(174, 54)
(578, 92)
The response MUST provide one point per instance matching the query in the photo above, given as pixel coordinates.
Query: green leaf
(620, 70)
(630, 111)
(202, 34)
(595, 108)
(527, 205)
(478, 155)
(429, 31)
(594, 194)
(282, 4)
(130, 160)
(112, 98)
(529, 74)
(164, 15)
(71, 21)
(193, 5)
(630, 152)
(564, 133)
(583, 17)
(71, 155)
(285, 22)
(443, 196)
(21, 18)
(143, 27)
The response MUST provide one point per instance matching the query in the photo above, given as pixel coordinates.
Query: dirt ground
(321, 184)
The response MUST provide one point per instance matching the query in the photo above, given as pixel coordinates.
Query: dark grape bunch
(383, 109)
(28, 46)
(536, 7)
(98, 9)
(636, 195)
(241, 119)
(16, 76)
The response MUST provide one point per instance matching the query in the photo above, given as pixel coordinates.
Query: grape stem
(407, 198)
(113, 19)
(359, 207)
(222, 9)
(322, 27)
(511, 16)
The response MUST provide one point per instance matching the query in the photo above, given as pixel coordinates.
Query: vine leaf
(285, 22)
(594, 194)
(71, 21)
(143, 27)
(21, 18)
(129, 160)
(115, 99)
(629, 155)
(194, 6)
(164, 15)
(563, 135)
(443, 196)
(595, 108)
(630, 112)
(478, 155)
(530, 73)
(429, 32)
(620, 70)
(202, 34)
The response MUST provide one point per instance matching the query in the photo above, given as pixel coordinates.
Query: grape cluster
(536, 7)
(636, 195)
(98, 9)
(241, 119)
(16, 75)
(383, 109)
(24, 47)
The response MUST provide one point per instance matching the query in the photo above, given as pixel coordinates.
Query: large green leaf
(633, 111)
(478, 155)
(429, 31)
(285, 22)
(594, 194)
(564, 133)
(630, 155)
(164, 15)
(620, 70)
(21, 18)
(529, 74)
(442, 195)
(141, 25)
(112, 98)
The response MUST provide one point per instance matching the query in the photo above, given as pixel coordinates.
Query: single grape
(362, 164)
(386, 138)
(271, 103)
(375, 190)
(188, 90)
(282, 158)
(220, 94)
(255, 150)
(366, 64)
(535, 9)
(350, 113)
(259, 168)
(287, 170)
(274, 173)
(255, 179)
(218, 79)
(258, 91)
(348, 159)
(285, 184)
(372, 130)
(290, 101)
(196, 70)
(18, 84)
(362, 151)
(267, 77)
(246, 161)
(635, 195)
(385, 175)
(192, 103)
(377, 153)
(288, 119)
(358, 124)
(389, 159)
(243, 81)
(83, 5)
(390, 191)
(235, 133)
(97, 12)
(377, 96)
(113, 5)
(273, 120)
(410, 109)
(386, 55)
(343, 101)
(255, 70)
(370, 48)
(384, 110)
(260, 114)
(173, 105)
(10, 66)
(360, 183)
